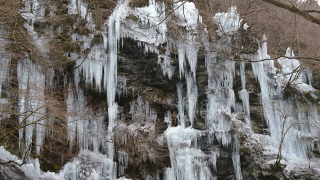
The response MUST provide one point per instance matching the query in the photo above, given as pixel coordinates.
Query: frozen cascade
(278, 112)
(35, 7)
(220, 101)
(220, 94)
(187, 160)
(220, 97)
(31, 102)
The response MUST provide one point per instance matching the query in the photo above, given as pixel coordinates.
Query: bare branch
(291, 7)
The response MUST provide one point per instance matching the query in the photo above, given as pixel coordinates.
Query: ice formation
(99, 71)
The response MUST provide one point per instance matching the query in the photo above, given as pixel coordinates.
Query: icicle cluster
(31, 102)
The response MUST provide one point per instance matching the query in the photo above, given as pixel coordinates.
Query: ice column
(114, 32)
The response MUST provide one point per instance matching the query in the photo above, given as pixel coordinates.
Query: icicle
(181, 54)
(244, 94)
(236, 158)
(181, 117)
(168, 118)
(192, 94)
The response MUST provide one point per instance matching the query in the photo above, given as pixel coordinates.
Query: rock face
(145, 97)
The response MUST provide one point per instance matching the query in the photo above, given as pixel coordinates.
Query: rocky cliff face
(146, 90)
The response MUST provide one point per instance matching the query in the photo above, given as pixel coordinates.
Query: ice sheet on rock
(78, 7)
(35, 7)
(40, 42)
(152, 28)
(228, 22)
